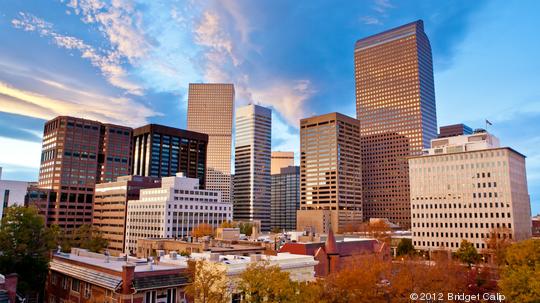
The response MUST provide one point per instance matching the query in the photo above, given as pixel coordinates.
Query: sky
(130, 62)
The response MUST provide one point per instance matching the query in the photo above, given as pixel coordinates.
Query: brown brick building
(110, 207)
(77, 154)
(330, 173)
(395, 104)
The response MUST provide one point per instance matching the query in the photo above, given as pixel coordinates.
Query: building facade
(162, 151)
(285, 198)
(82, 276)
(110, 207)
(466, 188)
(281, 159)
(210, 111)
(77, 154)
(252, 181)
(173, 210)
(330, 173)
(454, 130)
(12, 193)
(395, 104)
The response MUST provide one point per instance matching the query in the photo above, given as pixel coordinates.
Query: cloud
(382, 6)
(82, 103)
(369, 20)
(109, 62)
(27, 154)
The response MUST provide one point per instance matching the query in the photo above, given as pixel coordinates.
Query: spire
(330, 245)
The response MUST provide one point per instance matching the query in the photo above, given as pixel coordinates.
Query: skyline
(103, 55)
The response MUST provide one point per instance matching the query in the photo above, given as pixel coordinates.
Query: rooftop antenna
(488, 123)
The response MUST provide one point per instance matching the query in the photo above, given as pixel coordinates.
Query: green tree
(405, 247)
(520, 274)
(209, 282)
(85, 236)
(246, 228)
(467, 253)
(261, 282)
(24, 246)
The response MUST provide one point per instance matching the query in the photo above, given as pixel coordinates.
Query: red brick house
(334, 255)
(82, 276)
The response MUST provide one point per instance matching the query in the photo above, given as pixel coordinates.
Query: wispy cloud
(382, 6)
(370, 20)
(109, 62)
(83, 104)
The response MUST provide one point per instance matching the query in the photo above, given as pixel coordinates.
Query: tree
(202, 230)
(520, 276)
(467, 253)
(405, 247)
(261, 282)
(85, 236)
(497, 242)
(228, 224)
(209, 282)
(25, 244)
(246, 228)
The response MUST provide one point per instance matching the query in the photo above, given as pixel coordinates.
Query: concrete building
(332, 255)
(454, 130)
(155, 246)
(82, 276)
(173, 210)
(252, 181)
(8, 288)
(110, 207)
(330, 173)
(12, 193)
(285, 198)
(162, 151)
(395, 102)
(210, 111)
(281, 159)
(77, 154)
(466, 187)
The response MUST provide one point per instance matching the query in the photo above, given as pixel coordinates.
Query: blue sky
(130, 62)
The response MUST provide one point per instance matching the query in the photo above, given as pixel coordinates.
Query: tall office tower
(252, 181)
(281, 159)
(162, 151)
(454, 130)
(395, 104)
(77, 154)
(330, 173)
(210, 111)
(173, 210)
(285, 198)
(110, 207)
(468, 188)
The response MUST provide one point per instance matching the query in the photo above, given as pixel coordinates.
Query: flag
(488, 123)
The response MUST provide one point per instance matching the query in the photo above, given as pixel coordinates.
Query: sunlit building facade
(252, 181)
(210, 111)
(330, 173)
(468, 188)
(281, 159)
(395, 104)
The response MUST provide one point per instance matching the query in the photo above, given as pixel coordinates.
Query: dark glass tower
(395, 103)
(162, 151)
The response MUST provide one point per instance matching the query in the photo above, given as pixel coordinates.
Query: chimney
(128, 274)
(11, 286)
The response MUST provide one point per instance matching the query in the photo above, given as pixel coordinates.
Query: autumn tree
(520, 274)
(202, 230)
(25, 244)
(405, 247)
(209, 282)
(261, 282)
(228, 224)
(497, 242)
(467, 253)
(246, 228)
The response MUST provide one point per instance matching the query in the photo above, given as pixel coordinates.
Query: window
(75, 285)
(87, 292)
(65, 283)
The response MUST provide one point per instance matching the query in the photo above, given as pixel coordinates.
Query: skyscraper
(210, 111)
(281, 159)
(285, 197)
(395, 103)
(330, 173)
(162, 151)
(77, 154)
(252, 180)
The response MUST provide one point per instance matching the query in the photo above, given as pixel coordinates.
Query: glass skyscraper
(252, 181)
(395, 103)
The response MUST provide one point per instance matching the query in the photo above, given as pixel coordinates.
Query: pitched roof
(159, 281)
(95, 277)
